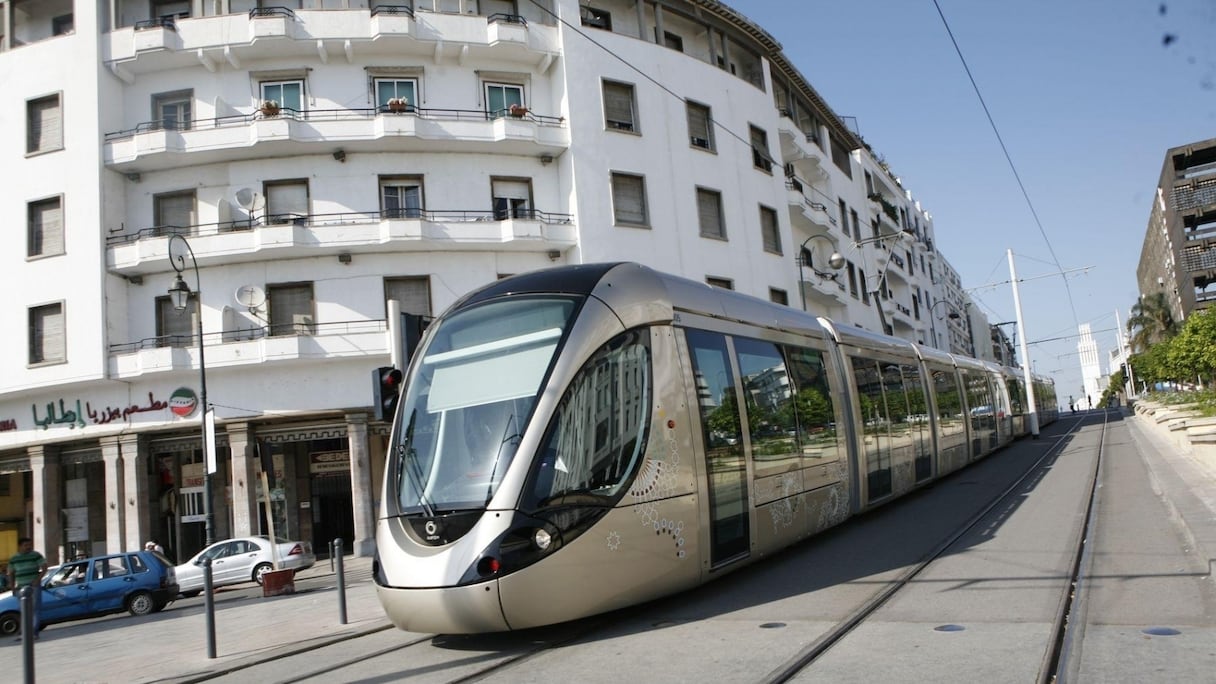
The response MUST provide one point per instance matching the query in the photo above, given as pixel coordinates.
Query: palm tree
(1151, 322)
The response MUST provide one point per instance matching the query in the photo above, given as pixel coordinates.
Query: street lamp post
(806, 257)
(953, 315)
(180, 296)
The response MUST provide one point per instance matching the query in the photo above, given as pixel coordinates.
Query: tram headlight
(542, 539)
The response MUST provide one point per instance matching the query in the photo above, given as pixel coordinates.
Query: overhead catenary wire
(1008, 158)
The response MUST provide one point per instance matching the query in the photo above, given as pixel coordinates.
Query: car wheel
(140, 603)
(192, 593)
(259, 570)
(159, 606)
(10, 624)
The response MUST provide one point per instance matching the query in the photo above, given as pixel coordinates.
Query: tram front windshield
(470, 398)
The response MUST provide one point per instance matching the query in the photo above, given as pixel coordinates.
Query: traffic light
(386, 389)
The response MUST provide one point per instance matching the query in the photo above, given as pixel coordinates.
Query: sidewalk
(172, 646)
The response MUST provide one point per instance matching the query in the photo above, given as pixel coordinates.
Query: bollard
(337, 557)
(209, 607)
(28, 633)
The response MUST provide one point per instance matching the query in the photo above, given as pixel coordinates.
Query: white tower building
(1091, 369)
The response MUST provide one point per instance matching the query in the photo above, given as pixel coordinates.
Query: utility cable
(1009, 159)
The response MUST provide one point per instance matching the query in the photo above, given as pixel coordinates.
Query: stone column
(361, 490)
(48, 502)
(115, 504)
(242, 444)
(138, 517)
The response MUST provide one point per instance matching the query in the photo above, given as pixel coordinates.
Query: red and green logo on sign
(183, 401)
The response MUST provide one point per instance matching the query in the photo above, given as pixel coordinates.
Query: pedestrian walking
(25, 569)
(153, 546)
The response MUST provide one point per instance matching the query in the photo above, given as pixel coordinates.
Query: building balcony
(296, 236)
(162, 44)
(805, 211)
(248, 346)
(152, 146)
(802, 149)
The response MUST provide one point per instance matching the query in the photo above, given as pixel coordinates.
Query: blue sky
(1087, 98)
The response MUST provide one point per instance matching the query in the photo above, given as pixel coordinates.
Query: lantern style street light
(179, 294)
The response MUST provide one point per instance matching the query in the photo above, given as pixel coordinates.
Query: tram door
(725, 468)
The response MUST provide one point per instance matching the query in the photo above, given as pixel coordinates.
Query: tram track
(1068, 625)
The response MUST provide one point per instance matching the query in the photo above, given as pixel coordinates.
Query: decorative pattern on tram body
(580, 439)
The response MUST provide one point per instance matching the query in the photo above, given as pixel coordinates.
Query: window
(769, 231)
(45, 227)
(170, 9)
(709, 213)
(176, 328)
(700, 126)
(63, 25)
(512, 198)
(841, 157)
(500, 97)
(861, 280)
(289, 94)
(629, 200)
(844, 220)
(852, 270)
(396, 89)
(43, 125)
(673, 41)
(173, 110)
(778, 296)
(173, 212)
(401, 197)
(856, 224)
(286, 201)
(414, 293)
(724, 283)
(48, 334)
(771, 420)
(760, 156)
(291, 309)
(618, 106)
(595, 18)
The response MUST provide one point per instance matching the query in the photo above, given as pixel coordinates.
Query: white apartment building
(302, 162)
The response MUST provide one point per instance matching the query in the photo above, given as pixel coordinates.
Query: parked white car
(245, 559)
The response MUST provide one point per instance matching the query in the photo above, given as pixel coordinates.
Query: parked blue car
(139, 582)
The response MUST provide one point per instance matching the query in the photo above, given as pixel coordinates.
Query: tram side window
(770, 406)
(874, 418)
(598, 436)
(814, 409)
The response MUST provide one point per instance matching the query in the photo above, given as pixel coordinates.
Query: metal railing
(249, 333)
(312, 115)
(343, 219)
(394, 10)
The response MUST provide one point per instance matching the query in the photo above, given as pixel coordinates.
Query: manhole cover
(772, 625)
(1161, 631)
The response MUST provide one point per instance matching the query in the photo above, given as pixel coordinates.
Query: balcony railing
(312, 115)
(394, 10)
(251, 333)
(344, 218)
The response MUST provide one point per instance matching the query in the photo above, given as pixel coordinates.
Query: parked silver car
(244, 559)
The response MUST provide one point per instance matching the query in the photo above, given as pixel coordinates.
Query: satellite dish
(250, 296)
(244, 197)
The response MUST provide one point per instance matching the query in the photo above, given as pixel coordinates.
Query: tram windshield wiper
(409, 458)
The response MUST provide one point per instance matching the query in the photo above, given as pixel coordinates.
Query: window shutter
(177, 327)
(710, 213)
(45, 125)
(698, 126)
(413, 293)
(629, 199)
(46, 228)
(176, 210)
(618, 106)
(768, 229)
(290, 304)
(286, 199)
(47, 338)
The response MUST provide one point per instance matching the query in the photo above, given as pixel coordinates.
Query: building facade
(1178, 257)
(298, 165)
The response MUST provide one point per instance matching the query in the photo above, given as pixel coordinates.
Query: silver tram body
(585, 438)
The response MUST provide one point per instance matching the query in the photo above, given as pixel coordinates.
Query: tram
(584, 438)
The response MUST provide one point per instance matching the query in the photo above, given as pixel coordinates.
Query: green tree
(1193, 352)
(1151, 322)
